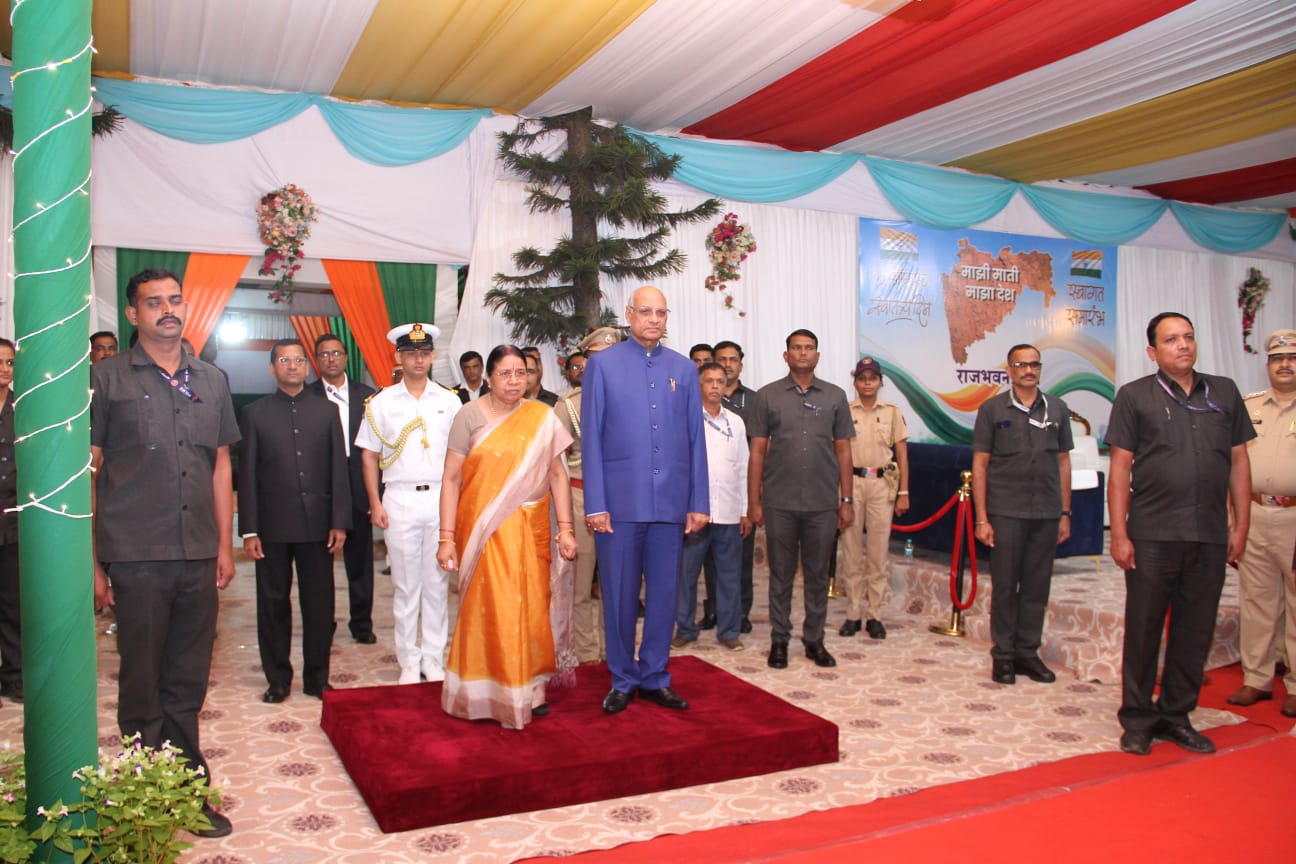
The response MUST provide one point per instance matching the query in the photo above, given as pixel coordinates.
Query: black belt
(425, 487)
(869, 472)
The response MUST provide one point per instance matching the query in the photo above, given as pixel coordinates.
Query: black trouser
(1021, 571)
(807, 537)
(166, 626)
(274, 610)
(1185, 579)
(357, 554)
(745, 583)
(10, 619)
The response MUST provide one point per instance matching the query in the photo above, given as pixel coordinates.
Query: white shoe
(409, 676)
(432, 673)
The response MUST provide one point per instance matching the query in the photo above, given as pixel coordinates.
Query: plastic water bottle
(908, 550)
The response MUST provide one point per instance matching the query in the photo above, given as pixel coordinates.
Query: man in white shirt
(726, 446)
(474, 386)
(404, 435)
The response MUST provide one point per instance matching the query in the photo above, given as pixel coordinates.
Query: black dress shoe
(1137, 743)
(221, 826)
(665, 697)
(616, 701)
(876, 629)
(708, 622)
(1185, 736)
(778, 655)
(541, 710)
(851, 627)
(12, 692)
(1034, 669)
(1002, 672)
(819, 654)
(365, 638)
(275, 693)
(317, 692)
(745, 627)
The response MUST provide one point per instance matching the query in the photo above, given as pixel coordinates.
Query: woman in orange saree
(503, 465)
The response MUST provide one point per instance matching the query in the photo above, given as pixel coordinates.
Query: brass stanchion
(963, 517)
(833, 590)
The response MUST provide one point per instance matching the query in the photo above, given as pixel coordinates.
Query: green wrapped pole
(51, 254)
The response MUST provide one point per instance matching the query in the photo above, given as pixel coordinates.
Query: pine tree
(607, 175)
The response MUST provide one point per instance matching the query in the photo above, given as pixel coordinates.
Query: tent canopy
(1189, 100)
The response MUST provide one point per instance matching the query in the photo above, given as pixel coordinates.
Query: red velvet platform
(416, 767)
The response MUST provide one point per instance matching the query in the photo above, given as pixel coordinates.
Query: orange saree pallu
(502, 652)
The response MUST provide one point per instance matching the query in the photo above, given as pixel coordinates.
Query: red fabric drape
(209, 280)
(920, 56)
(359, 294)
(1258, 181)
(309, 328)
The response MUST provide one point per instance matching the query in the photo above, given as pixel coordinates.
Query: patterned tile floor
(915, 710)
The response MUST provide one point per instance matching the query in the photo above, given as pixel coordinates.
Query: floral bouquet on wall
(1250, 298)
(284, 217)
(728, 245)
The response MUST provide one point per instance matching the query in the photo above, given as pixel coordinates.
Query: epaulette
(1255, 394)
(371, 396)
(453, 390)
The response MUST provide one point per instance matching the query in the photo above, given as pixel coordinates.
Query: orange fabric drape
(309, 328)
(359, 295)
(209, 280)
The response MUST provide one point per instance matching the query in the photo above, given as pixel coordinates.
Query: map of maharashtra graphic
(981, 290)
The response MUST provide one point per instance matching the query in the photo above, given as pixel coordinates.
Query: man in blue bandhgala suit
(644, 458)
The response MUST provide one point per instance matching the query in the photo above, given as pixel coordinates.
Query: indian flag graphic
(898, 244)
(1087, 262)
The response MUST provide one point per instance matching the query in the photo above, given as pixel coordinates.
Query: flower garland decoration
(284, 217)
(1250, 298)
(728, 244)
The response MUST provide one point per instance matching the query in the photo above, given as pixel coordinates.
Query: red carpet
(416, 767)
(1106, 805)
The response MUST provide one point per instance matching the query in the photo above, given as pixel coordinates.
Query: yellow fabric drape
(209, 280)
(1246, 104)
(497, 53)
(359, 294)
(309, 328)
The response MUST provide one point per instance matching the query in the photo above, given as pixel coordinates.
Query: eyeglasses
(509, 374)
(1033, 365)
(330, 355)
(647, 312)
(291, 361)
(1282, 358)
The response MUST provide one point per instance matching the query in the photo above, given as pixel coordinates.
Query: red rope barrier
(964, 517)
(928, 522)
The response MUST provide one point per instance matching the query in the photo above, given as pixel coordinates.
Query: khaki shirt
(876, 431)
(568, 411)
(1273, 450)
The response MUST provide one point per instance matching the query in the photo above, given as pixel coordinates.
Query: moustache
(166, 318)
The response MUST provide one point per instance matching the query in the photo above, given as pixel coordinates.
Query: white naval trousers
(419, 583)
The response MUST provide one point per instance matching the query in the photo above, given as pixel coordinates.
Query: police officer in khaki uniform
(587, 624)
(1265, 570)
(878, 448)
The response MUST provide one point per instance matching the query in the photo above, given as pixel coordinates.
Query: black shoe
(1034, 669)
(819, 654)
(275, 694)
(220, 825)
(851, 627)
(1137, 743)
(616, 701)
(1003, 672)
(386, 571)
(875, 628)
(665, 697)
(540, 710)
(12, 692)
(1185, 736)
(318, 692)
(745, 627)
(365, 638)
(778, 655)
(708, 622)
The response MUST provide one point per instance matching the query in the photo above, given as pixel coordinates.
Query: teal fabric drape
(132, 261)
(938, 197)
(1108, 220)
(1228, 230)
(385, 135)
(410, 291)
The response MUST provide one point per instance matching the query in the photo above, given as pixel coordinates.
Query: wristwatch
(1066, 512)
(848, 500)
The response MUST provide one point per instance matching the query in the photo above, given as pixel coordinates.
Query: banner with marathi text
(940, 309)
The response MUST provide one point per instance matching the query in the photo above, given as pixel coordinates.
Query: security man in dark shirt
(294, 508)
(161, 427)
(1021, 486)
(1171, 530)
